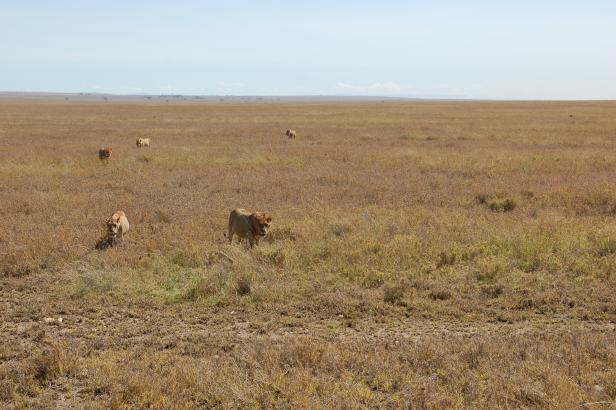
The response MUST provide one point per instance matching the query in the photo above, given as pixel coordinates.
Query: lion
(143, 142)
(248, 225)
(117, 227)
(291, 134)
(104, 153)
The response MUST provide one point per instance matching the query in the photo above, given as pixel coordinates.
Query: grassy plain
(422, 255)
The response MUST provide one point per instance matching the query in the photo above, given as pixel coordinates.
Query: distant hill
(46, 96)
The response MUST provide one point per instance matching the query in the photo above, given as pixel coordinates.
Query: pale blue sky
(475, 49)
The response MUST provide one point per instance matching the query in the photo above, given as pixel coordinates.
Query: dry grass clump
(379, 284)
(496, 203)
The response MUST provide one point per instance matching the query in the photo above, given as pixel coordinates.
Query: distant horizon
(315, 97)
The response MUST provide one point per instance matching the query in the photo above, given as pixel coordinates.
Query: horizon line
(7, 93)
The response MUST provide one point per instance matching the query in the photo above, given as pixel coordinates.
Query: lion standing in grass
(117, 227)
(248, 225)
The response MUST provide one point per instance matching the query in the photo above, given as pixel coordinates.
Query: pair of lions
(291, 134)
(143, 142)
(117, 227)
(246, 225)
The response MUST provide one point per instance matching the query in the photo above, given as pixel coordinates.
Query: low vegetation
(428, 255)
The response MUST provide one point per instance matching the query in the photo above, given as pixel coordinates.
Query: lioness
(117, 227)
(247, 225)
(104, 153)
(291, 134)
(143, 142)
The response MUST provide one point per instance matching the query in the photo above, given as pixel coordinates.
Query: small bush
(243, 286)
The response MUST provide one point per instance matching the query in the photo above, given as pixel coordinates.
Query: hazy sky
(473, 49)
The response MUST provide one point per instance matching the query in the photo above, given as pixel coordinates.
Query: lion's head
(260, 222)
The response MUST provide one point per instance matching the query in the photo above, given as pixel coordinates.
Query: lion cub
(248, 225)
(117, 227)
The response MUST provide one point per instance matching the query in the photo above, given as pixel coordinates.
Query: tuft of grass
(496, 203)
(501, 205)
(605, 246)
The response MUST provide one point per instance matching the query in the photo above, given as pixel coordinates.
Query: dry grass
(422, 255)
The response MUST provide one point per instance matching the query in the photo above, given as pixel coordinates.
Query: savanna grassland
(422, 255)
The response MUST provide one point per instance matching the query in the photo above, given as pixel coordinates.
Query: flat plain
(422, 255)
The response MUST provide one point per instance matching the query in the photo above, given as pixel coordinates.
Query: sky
(542, 49)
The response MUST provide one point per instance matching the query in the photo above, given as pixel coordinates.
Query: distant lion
(248, 225)
(117, 227)
(291, 134)
(104, 153)
(143, 142)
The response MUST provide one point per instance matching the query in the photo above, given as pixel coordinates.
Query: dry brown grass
(422, 255)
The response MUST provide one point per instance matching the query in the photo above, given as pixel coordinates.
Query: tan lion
(117, 227)
(143, 142)
(104, 153)
(248, 225)
(291, 134)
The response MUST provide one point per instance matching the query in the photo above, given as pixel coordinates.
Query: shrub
(243, 285)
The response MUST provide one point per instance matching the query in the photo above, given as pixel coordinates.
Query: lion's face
(114, 224)
(261, 223)
(113, 228)
(105, 152)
